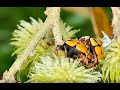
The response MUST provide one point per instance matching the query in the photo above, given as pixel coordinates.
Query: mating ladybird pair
(89, 49)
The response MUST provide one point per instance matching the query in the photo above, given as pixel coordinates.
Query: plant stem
(57, 32)
(116, 21)
(53, 14)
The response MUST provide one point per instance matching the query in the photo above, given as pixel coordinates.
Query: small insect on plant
(46, 49)
(90, 50)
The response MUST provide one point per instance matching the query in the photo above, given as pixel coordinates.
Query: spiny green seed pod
(111, 63)
(71, 32)
(61, 70)
(24, 33)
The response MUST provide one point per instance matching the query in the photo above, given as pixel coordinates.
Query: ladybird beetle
(70, 48)
(98, 48)
(95, 48)
(89, 49)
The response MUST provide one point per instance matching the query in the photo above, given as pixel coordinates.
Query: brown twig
(116, 21)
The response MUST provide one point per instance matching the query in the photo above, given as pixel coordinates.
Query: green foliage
(21, 37)
(9, 17)
(23, 34)
(110, 66)
(61, 70)
(50, 66)
(71, 33)
(26, 30)
(41, 49)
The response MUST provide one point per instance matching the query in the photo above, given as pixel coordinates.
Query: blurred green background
(10, 17)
